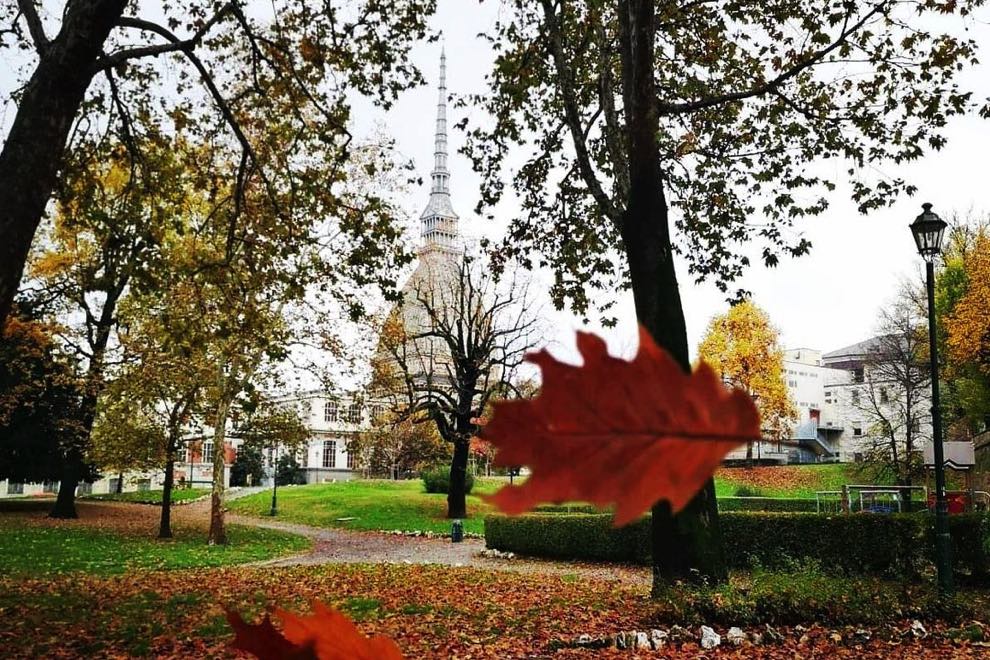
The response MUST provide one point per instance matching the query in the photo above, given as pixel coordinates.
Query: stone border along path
(341, 546)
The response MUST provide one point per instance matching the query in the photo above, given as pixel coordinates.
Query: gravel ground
(345, 546)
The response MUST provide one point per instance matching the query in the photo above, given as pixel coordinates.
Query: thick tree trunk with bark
(218, 531)
(456, 496)
(32, 152)
(65, 503)
(165, 524)
(687, 546)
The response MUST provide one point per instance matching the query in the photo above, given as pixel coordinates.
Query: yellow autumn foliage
(968, 326)
(742, 346)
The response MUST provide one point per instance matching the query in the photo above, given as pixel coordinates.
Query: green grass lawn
(388, 505)
(152, 496)
(373, 505)
(42, 550)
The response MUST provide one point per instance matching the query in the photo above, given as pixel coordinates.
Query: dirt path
(333, 546)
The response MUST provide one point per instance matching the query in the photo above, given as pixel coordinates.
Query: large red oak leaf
(325, 635)
(617, 431)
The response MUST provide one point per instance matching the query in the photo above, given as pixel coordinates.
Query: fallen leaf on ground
(325, 635)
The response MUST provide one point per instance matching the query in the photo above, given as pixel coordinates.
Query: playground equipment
(875, 498)
(880, 501)
(881, 498)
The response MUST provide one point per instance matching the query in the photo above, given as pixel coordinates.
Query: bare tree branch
(35, 27)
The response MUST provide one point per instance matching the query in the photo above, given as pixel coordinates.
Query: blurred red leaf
(325, 635)
(616, 431)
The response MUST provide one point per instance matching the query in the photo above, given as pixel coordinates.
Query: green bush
(748, 491)
(895, 545)
(780, 504)
(801, 593)
(437, 480)
(570, 536)
(566, 508)
(844, 543)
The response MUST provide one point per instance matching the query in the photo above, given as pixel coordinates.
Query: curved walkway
(338, 546)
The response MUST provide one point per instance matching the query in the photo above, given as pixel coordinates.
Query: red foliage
(326, 635)
(628, 432)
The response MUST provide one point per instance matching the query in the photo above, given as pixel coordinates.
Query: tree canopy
(743, 347)
(749, 97)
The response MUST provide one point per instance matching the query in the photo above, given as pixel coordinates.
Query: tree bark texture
(687, 546)
(32, 153)
(456, 497)
(165, 524)
(218, 530)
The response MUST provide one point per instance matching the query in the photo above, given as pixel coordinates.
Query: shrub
(803, 592)
(437, 480)
(780, 504)
(570, 536)
(844, 543)
(288, 472)
(567, 508)
(896, 545)
(748, 491)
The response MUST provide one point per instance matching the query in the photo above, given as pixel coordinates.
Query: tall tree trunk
(32, 152)
(165, 524)
(65, 503)
(120, 483)
(74, 458)
(687, 546)
(749, 455)
(456, 497)
(218, 531)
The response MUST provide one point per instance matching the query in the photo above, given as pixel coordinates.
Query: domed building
(433, 288)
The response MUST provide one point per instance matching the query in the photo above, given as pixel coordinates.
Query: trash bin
(457, 531)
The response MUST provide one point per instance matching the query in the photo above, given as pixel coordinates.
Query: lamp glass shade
(928, 230)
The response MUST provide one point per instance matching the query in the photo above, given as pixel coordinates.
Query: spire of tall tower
(439, 222)
(441, 177)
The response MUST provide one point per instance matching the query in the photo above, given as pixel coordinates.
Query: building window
(792, 383)
(207, 456)
(181, 455)
(377, 412)
(915, 425)
(857, 375)
(354, 413)
(85, 488)
(857, 431)
(883, 395)
(49, 487)
(144, 484)
(350, 460)
(855, 397)
(330, 411)
(329, 453)
(15, 488)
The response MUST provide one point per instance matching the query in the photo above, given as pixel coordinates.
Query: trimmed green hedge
(789, 504)
(570, 536)
(896, 545)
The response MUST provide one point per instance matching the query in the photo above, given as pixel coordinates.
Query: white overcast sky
(824, 300)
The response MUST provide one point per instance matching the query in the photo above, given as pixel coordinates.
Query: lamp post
(928, 229)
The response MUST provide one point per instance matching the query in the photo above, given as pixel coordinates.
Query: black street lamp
(928, 230)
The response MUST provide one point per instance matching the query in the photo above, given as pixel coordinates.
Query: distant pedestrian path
(341, 546)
